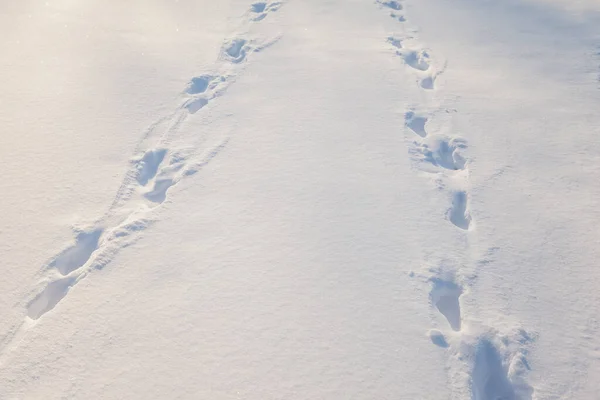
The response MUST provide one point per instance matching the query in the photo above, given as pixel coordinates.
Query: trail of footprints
(496, 363)
(152, 174)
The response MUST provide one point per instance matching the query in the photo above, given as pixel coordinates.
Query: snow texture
(300, 200)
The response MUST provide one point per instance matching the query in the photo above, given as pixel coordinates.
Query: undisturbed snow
(302, 199)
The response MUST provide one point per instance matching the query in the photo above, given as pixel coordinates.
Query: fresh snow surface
(300, 199)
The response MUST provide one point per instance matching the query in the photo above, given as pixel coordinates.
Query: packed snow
(300, 199)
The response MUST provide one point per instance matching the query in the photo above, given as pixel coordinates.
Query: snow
(300, 200)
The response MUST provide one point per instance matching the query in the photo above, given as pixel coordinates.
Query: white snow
(300, 199)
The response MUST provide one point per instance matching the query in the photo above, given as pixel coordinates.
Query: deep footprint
(458, 213)
(444, 296)
(199, 84)
(258, 7)
(159, 192)
(490, 380)
(444, 153)
(263, 9)
(393, 4)
(235, 50)
(428, 83)
(53, 293)
(400, 18)
(437, 338)
(415, 123)
(195, 105)
(418, 60)
(77, 255)
(148, 165)
(397, 43)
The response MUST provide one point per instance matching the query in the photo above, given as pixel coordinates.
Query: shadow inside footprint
(397, 43)
(235, 50)
(415, 123)
(393, 4)
(195, 105)
(49, 297)
(444, 295)
(458, 213)
(77, 255)
(199, 84)
(159, 192)
(490, 380)
(418, 60)
(428, 83)
(441, 152)
(437, 338)
(258, 7)
(148, 165)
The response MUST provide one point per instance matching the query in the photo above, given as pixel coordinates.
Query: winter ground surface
(305, 199)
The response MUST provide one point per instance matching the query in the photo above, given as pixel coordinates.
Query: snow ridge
(483, 363)
(155, 168)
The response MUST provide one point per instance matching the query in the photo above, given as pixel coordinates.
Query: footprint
(489, 376)
(148, 165)
(258, 7)
(417, 59)
(499, 365)
(77, 255)
(393, 4)
(262, 9)
(428, 83)
(204, 88)
(444, 296)
(397, 43)
(168, 176)
(458, 213)
(437, 338)
(159, 192)
(442, 152)
(235, 50)
(416, 123)
(199, 84)
(49, 297)
(195, 105)
(398, 17)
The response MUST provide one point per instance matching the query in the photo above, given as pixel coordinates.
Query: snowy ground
(303, 199)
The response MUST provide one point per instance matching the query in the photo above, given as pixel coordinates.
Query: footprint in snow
(440, 152)
(428, 83)
(398, 17)
(437, 338)
(458, 213)
(52, 294)
(203, 88)
(167, 176)
(416, 122)
(397, 43)
(77, 255)
(392, 4)
(71, 262)
(499, 370)
(148, 165)
(202, 83)
(444, 296)
(195, 105)
(158, 194)
(417, 59)
(235, 50)
(261, 9)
